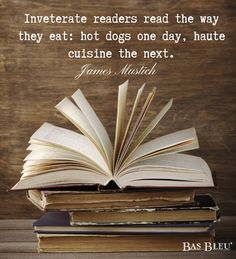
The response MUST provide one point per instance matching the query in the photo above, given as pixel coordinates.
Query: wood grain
(35, 77)
(18, 243)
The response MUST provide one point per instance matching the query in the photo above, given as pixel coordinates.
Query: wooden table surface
(17, 240)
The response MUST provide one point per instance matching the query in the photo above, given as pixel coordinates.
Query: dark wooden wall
(34, 77)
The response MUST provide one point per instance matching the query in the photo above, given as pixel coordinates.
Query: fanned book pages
(60, 157)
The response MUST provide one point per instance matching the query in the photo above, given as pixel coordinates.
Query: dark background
(35, 77)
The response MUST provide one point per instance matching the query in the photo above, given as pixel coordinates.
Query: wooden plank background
(35, 77)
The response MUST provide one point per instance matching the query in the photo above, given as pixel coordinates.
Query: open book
(61, 157)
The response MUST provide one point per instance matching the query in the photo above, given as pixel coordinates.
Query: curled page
(96, 124)
(177, 139)
(70, 140)
(75, 115)
(120, 119)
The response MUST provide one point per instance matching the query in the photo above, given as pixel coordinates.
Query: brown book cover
(204, 209)
(120, 243)
(77, 199)
(59, 223)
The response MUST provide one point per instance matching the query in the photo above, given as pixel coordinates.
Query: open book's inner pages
(70, 140)
(62, 178)
(120, 119)
(76, 116)
(167, 171)
(96, 124)
(136, 143)
(171, 143)
(61, 157)
(134, 129)
(127, 129)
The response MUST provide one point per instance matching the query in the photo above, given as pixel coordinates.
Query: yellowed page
(96, 124)
(134, 129)
(182, 162)
(164, 142)
(35, 163)
(61, 177)
(176, 170)
(120, 118)
(135, 105)
(70, 140)
(74, 114)
(49, 158)
(151, 126)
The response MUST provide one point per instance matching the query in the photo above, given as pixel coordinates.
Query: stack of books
(131, 220)
(134, 196)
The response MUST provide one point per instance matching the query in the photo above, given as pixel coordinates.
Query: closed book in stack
(77, 199)
(202, 209)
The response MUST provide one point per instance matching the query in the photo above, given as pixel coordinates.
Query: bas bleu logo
(206, 246)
